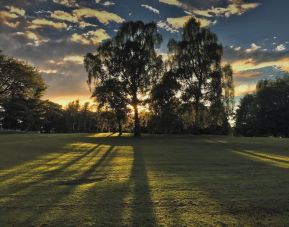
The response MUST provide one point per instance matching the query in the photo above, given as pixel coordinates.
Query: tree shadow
(143, 213)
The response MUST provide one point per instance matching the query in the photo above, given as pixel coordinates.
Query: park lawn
(106, 180)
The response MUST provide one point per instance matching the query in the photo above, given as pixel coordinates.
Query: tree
(19, 79)
(267, 111)
(53, 117)
(131, 59)
(196, 59)
(21, 89)
(165, 105)
(246, 116)
(228, 90)
(111, 92)
(71, 115)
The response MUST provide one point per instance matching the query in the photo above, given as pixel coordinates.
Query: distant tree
(131, 59)
(246, 116)
(197, 58)
(228, 90)
(72, 115)
(53, 118)
(266, 112)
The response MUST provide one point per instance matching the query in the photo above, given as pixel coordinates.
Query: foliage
(129, 61)
(266, 112)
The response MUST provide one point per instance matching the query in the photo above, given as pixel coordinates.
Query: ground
(106, 180)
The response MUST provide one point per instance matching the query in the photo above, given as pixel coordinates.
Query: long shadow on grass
(142, 214)
(56, 190)
(138, 182)
(48, 175)
(234, 190)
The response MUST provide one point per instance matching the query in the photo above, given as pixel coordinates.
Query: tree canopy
(265, 112)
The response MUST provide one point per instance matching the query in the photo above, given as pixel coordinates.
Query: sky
(54, 35)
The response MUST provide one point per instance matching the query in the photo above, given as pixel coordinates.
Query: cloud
(154, 10)
(91, 37)
(77, 59)
(9, 18)
(243, 89)
(18, 11)
(280, 47)
(64, 16)
(101, 15)
(40, 23)
(108, 3)
(36, 38)
(180, 21)
(61, 15)
(232, 9)
(248, 74)
(48, 71)
(253, 48)
(251, 64)
(166, 26)
(68, 3)
(259, 55)
(171, 2)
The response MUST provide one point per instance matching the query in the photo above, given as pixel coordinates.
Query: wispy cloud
(154, 10)
(280, 47)
(180, 21)
(166, 26)
(16, 10)
(102, 16)
(172, 2)
(40, 23)
(91, 37)
(9, 17)
(61, 15)
(33, 36)
(237, 8)
(253, 48)
(69, 3)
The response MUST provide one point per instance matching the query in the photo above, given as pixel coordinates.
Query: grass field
(105, 180)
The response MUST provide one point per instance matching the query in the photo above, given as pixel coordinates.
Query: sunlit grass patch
(271, 159)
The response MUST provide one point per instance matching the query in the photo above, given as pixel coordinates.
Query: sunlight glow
(271, 159)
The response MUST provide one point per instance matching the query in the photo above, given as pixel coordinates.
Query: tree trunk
(119, 128)
(136, 121)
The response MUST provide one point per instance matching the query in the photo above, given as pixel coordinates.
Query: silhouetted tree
(21, 89)
(266, 112)
(72, 115)
(18, 79)
(165, 105)
(129, 57)
(111, 93)
(196, 59)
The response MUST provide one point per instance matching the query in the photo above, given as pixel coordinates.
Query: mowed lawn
(106, 180)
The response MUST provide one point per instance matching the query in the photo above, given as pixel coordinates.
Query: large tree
(130, 58)
(197, 62)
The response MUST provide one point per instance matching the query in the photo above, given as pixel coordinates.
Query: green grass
(105, 180)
